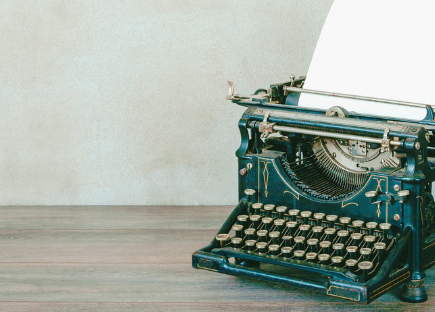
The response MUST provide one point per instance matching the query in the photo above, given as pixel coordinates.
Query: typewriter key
(236, 242)
(317, 231)
(255, 221)
(351, 264)
(269, 208)
(371, 226)
(365, 267)
(351, 250)
(306, 215)
(344, 221)
(385, 227)
(275, 237)
(274, 249)
(261, 247)
(380, 247)
(249, 193)
(324, 259)
(311, 256)
(305, 229)
(250, 244)
(292, 227)
(250, 233)
(243, 220)
(356, 239)
(331, 219)
(330, 234)
(293, 214)
(337, 261)
(339, 249)
(238, 230)
(256, 208)
(357, 225)
(262, 235)
(279, 224)
(326, 246)
(370, 240)
(288, 240)
(343, 236)
(300, 242)
(286, 251)
(223, 239)
(313, 244)
(267, 223)
(319, 217)
(281, 210)
(299, 254)
(365, 252)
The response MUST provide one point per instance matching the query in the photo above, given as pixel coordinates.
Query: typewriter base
(414, 292)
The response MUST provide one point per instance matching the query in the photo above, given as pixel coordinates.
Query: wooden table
(138, 258)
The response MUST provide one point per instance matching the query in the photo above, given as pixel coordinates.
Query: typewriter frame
(417, 177)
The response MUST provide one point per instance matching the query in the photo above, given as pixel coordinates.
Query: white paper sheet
(375, 48)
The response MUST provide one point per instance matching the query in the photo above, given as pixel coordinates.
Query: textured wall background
(122, 102)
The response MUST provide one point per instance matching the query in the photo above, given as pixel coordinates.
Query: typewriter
(329, 200)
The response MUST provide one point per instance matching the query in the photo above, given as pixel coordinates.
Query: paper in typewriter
(383, 49)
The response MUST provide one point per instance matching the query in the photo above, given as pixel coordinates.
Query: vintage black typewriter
(333, 201)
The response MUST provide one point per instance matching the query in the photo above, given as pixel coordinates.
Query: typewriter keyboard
(313, 237)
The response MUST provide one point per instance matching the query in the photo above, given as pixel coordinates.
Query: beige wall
(122, 102)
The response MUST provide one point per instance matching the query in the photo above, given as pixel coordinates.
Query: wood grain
(128, 259)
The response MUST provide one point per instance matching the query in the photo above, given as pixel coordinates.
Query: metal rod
(332, 135)
(356, 97)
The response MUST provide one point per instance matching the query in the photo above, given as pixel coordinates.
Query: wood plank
(114, 217)
(174, 283)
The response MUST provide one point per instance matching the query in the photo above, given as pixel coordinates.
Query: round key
(311, 256)
(279, 224)
(262, 247)
(371, 226)
(288, 240)
(365, 267)
(357, 225)
(293, 213)
(339, 249)
(250, 244)
(238, 230)
(274, 249)
(319, 217)
(312, 244)
(249, 192)
(223, 239)
(267, 223)
(330, 234)
(250, 233)
(300, 242)
(331, 219)
(344, 221)
(292, 227)
(356, 239)
(317, 231)
(281, 210)
(305, 229)
(262, 235)
(236, 242)
(337, 261)
(299, 254)
(343, 235)
(381, 249)
(351, 250)
(255, 220)
(256, 208)
(243, 220)
(370, 240)
(365, 252)
(286, 251)
(269, 208)
(274, 235)
(385, 227)
(324, 258)
(306, 215)
(326, 246)
(351, 264)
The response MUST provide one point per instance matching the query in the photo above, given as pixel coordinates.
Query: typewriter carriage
(339, 163)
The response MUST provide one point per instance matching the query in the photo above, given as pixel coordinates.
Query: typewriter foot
(414, 292)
